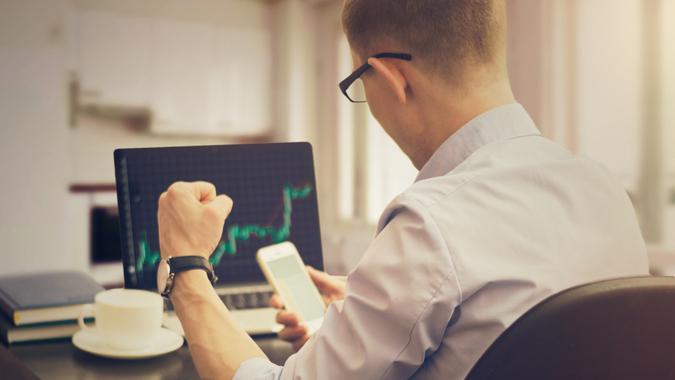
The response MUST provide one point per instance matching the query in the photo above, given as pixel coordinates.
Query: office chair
(615, 329)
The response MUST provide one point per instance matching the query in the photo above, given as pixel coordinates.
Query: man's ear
(393, 76)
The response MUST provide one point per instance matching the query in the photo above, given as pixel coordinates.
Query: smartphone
(285, 271)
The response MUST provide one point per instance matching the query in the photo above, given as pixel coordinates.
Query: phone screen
(295, 288)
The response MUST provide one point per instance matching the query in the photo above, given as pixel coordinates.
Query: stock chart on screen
(274, 194)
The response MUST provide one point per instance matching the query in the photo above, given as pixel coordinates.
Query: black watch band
(185, 263)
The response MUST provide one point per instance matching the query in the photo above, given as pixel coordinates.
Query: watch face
(163, 272)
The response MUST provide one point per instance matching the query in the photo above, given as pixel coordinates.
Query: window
(388, 170)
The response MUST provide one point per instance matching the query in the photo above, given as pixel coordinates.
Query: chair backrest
(615, 329)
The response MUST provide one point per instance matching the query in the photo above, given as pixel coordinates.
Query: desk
(62, 361)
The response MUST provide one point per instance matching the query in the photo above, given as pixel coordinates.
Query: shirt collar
(501, 123)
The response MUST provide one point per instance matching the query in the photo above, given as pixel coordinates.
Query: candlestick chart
(274, 194)
(239, 232)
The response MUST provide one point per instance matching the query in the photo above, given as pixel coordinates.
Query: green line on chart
(236, 232)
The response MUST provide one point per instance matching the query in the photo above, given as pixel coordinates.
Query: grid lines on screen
(274, 195)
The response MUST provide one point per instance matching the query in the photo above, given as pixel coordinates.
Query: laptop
(274, 192)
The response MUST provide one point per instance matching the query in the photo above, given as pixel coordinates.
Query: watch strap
(184, 263)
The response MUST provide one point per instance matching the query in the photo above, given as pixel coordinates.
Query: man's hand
(294, 331)
(191, 218)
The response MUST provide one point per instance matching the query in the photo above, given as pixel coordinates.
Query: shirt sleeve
(258, 369)
(400, 300)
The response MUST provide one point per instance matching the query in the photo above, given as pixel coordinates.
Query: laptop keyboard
(242, 298)
(253, 300)
(248, 297)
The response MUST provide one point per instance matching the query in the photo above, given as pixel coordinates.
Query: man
(498, 219)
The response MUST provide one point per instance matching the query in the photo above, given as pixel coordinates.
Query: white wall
(668, 104)
(609, 82)
(527, 47)
(576, 65)
(92, 143)
(598, 77)
(236, 14)
(294, 26)
(33, 137)
(94, 139)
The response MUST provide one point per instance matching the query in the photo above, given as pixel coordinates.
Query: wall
(580, 76)
(597, 76)
(527, 39)
(610, 93)
(94, 139)
(234, 13)
(668, 115)
(92, 144)
(33, 137)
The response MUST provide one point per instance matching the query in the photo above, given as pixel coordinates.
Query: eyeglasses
(352, 86)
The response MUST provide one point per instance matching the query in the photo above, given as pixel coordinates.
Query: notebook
(46, 297)
(10, 334)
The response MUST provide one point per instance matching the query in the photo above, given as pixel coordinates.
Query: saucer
(165, 342)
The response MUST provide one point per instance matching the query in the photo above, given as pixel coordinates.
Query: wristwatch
(170, 267)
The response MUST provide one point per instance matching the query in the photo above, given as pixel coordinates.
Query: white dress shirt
(498, 219)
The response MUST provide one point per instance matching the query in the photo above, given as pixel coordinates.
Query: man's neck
(455, 112)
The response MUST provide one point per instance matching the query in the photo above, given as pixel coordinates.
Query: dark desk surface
(63, 361)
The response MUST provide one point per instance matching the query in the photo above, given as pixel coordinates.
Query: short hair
(445, 35)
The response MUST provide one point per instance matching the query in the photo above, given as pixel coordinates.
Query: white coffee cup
(126, 319)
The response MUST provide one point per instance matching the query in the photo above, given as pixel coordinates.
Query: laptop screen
(274, 195)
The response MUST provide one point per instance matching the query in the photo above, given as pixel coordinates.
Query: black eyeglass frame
(345, 84)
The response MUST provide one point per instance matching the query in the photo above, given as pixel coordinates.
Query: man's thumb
(322, 280)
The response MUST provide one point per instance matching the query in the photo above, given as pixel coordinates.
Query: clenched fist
(191, 218)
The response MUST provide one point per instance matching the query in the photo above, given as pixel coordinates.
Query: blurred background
(79, 78)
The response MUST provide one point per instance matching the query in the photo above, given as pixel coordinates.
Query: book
(46, 297)
(10, 334)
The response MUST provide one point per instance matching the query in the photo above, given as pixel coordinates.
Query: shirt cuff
(258, 369)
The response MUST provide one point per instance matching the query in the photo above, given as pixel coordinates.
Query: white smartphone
(285, 271)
